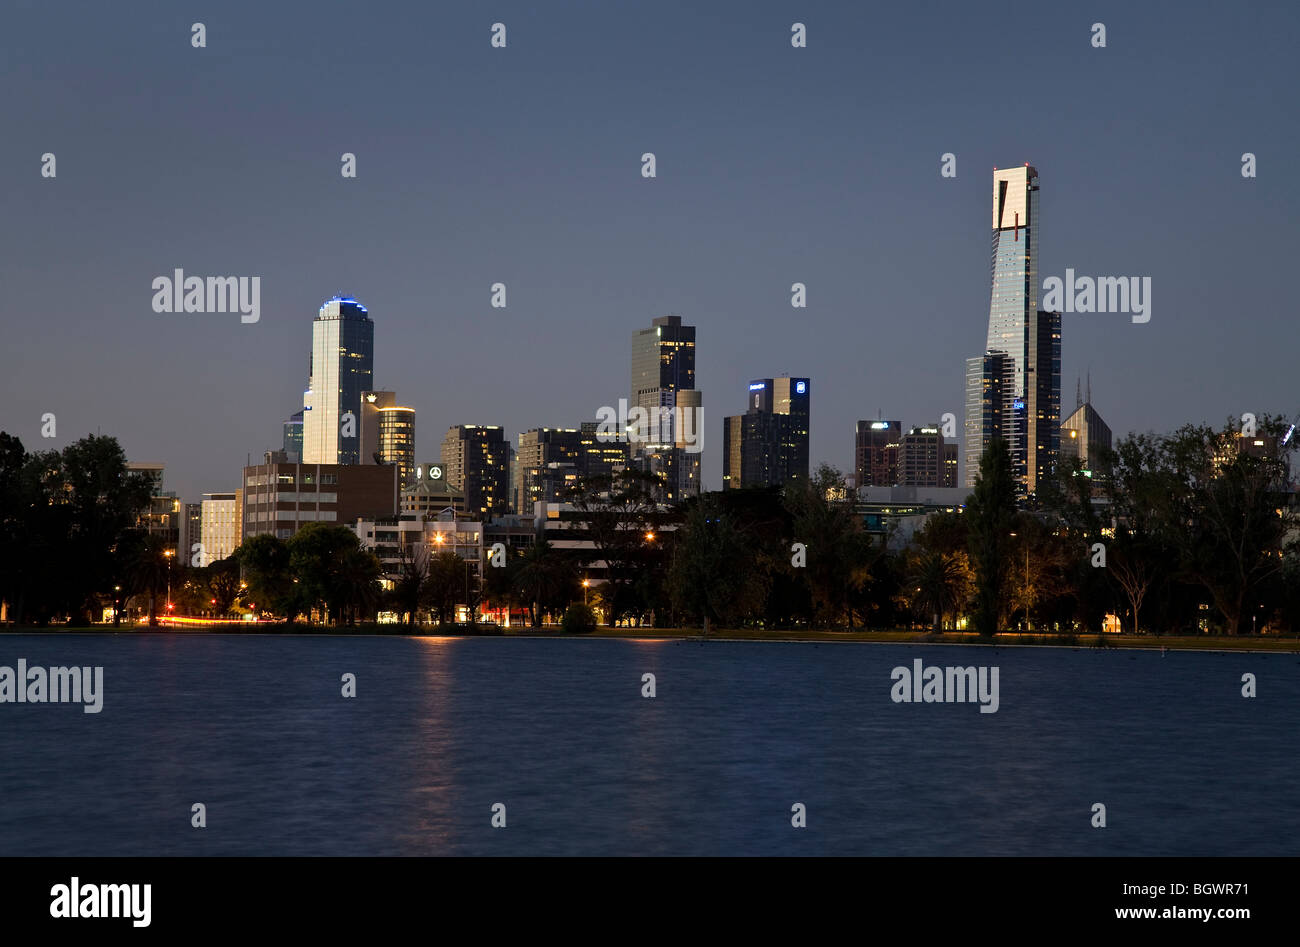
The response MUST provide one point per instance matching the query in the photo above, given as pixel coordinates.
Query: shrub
(579, 620)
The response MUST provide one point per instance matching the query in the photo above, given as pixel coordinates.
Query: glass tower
(1013, 391)
(342, 367)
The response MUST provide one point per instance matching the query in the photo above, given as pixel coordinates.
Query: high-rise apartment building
(768, 444)
(342, 367)
(476, 460)
(1016, 394)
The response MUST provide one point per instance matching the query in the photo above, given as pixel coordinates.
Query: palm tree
(147, 568)
(939, 579)
(544, 579)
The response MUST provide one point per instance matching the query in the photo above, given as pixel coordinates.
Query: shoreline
(1206, 643)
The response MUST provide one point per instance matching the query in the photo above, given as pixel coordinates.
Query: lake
(557, 730)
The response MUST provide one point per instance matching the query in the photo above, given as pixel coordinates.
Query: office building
(926, 460)
(768, 444)
(293, 435)
(388, 433)
(476, 460)
(342, 367)
(430, 496)
(668, 443)
(220, 526)
(1086, 436)
(539, 450)
(1013, 392)
(280, 498)
(875, 453)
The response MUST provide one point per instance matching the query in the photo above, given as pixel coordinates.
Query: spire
(1078, 393)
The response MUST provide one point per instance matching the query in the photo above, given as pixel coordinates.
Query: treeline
(1172, 533)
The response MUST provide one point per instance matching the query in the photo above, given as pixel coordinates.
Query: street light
(169, 553)
(585, 584)
(650, 536)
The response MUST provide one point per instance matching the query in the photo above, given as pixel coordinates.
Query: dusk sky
(522, 165)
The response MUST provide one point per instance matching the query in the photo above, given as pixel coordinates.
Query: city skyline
(513, 182)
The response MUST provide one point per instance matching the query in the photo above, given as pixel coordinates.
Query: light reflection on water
(255, 727)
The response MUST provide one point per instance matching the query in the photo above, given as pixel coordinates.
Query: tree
(715, 574)
(618, 513)
(443, 586)
(147, 567)
(408, 587)
(545, 581)
(222, 584)
(941, 581)
(991, 509)
(838, 549)
(329, 575)
(267, 576)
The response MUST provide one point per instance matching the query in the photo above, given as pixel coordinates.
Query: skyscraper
(926, 460)
(342, 367)
(663, 386)
(875, 453)
(533, 477)
(768, 444)
(1013, 392)
(388, 433)
(476, 460)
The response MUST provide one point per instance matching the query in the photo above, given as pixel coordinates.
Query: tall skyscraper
(875, 453)
(1013, 392)
(768, 444)
(663, 386)
(476, 460)
(342, 367)
(388, 433)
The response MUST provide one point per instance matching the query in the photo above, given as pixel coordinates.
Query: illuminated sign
(800, 387)
(757, 386)
(1019, 405)
(879, 425)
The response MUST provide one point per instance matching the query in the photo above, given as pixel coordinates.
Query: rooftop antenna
(1089, 386)
(1078, 393)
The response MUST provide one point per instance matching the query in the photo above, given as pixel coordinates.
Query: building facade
(669, 446)
(875, 453)
(220, 527)
(476, 460)
(280, 498)
(342, 367)
(768, 444)
(1023, 379)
